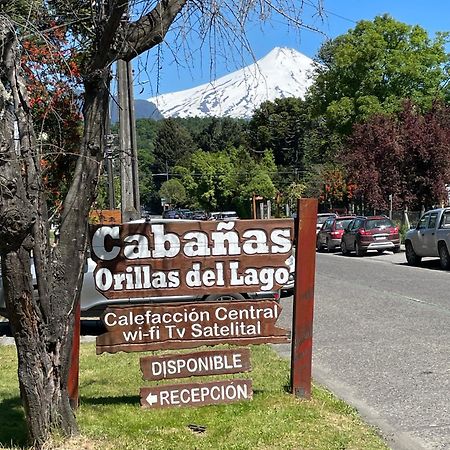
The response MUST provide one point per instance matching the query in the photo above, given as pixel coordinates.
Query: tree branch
(109, 35)
(150, 29)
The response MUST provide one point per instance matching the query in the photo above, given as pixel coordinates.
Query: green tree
(280, 126)
(209, 180)
(293, 192)
(373, 67)
(254, 176)
(222, 133)
(173, 192)
(173, 146)
(147, 185)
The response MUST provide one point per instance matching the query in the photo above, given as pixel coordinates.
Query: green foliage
(227, 179)
(102, 200)
(173, 145)
(293, 192)
(254, 177)
(280, 127)
(146, 131)
(376, 65)
(209, 179)
(173, 192)
(222, 133)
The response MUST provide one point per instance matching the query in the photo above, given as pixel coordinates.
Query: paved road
(382, 343)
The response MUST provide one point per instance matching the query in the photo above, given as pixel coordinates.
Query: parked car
(199, 215)
(330, 235)
(172, 214)
(228, 215)
(213, 215)
(431, 237)
(322, 218)
(370, 233)
(185, 213)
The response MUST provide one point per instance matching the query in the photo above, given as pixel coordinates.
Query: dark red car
(329, 236)
(370, 233)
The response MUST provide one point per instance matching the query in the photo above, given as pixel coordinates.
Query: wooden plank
(196, 394)
(190, 325)
(74, 369)
(212, 362)
(302, 318)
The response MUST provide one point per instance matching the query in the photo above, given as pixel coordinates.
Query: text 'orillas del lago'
(177, 258)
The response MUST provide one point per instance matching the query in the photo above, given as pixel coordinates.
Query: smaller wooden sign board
(196, 394)
(212, 362)
(189, 325)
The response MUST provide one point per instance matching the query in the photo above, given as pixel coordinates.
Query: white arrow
(152, 399)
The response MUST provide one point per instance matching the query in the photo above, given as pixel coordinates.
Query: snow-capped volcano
(284, 72)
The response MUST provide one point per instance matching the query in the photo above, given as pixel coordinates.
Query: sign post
(74, 369)
(302, 318)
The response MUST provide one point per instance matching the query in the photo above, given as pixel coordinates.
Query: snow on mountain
(282, 73)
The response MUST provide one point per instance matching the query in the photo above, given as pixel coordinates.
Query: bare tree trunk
(41, 308)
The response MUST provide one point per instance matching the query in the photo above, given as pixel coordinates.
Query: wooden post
(302, 318)
(72, 383)
(254, 205)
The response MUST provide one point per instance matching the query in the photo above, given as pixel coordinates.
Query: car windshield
(322, 219)
(342, 224)
(378, 223)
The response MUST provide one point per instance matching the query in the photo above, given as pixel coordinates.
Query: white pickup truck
(431, 237)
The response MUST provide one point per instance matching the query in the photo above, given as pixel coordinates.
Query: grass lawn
(110, 416)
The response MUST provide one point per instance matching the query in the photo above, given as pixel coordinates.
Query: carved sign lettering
(213, 362)
(142, 260)
(196, 394)
(190, 325)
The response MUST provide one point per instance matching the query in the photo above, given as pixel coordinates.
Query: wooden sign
(140, 260)
(105, 216)
(190, 325)
(213, 362)
(196, 394)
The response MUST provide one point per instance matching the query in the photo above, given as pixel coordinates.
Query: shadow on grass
(117, 400)
(13, 430)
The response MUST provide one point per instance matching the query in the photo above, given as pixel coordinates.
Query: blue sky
(341, 15)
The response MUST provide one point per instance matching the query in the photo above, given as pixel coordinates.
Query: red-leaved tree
(406, 156)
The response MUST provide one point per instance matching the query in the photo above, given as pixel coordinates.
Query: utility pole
(110, 171)
(109, 163)
(130, 204)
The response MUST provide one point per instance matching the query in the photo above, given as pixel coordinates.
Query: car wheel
(319, 246)
(411, 256)
(396, 249)
(358, 250)
(330, 248)
(344, 249)
(444, 256)
(223, 297)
